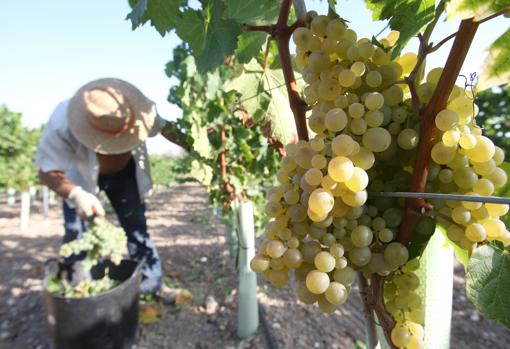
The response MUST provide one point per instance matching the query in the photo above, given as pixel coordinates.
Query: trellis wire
(452, 197)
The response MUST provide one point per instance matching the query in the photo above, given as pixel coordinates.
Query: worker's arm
(56, 181)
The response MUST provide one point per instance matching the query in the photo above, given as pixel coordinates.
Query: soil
(191, 242)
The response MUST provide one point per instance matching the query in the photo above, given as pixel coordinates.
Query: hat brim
(144, 112)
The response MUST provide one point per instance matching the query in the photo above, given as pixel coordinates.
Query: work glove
(85, 203)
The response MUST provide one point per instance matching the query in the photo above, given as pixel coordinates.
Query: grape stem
(282, 32)
(414, 206)
(372, 339)
(375, 302)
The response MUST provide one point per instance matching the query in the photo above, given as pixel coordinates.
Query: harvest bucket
(108, 320)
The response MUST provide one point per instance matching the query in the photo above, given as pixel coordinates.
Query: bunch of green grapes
(324, 228)
(101, 241)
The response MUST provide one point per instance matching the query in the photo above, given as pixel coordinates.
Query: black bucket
(105, 321)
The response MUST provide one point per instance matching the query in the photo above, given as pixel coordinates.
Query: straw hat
(110, 116)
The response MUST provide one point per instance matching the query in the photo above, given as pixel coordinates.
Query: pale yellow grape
(335, 120)
(408, 139)
(470, 205)
(304, 157)
(305, 186)
(352, 53)
(319, 161)
(276, 264)
(321, 201)
(385, 235)
(309, 249)
(373, 78)
(319, 25)
(467, 141)
(399, 114)
(355, 199)
(476, 232)
(340, 168)
(352, 97)
(345, 276)
(350, 35)
(392, 37)
(416, 343)
(328, 182)
(464, 107)
(394, 128)
(364, 158)
(480, 214)
(341, 101)
(328, 45)
(342, 47)
(356, 110)
(341, 263)
(293, 241)
(459, 161)
(291, 197)
(325, 306)
(339, 209)
(358, 68)
(304, 295)
(445, 175)
(335, 29)
(366, 50)
(393, 95)
(400, 335)
(494, 227)
(318, 61)
(496, 210)
(342, 145)
(324, 262)
(454, 232)
(434, 75)
(460, 215)
(451, 138)
(376, 139)
(446, 120)
(278, 278)
(313, 176)
(442, 154)
(346, 78)
(484, 187)
(358, 126)
(465, 177)
(358, 181)
(374, 101)
(499, 156)
(273, 209)
(407, 61)
(317, 282)
(297, 213)
(374, 118)
(275, 249)
(378, 223)
(380, 57)
(390, 72)
(259, 263)
(336, 293)
(328, 89)
(336, 250)
(317, 144)
(483, 150)
(311, 96)
(292, 258)
(498, 177)
(302, 36)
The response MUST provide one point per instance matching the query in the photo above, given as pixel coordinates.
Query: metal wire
(452, 197)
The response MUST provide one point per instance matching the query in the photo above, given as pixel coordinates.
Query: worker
(96, 141)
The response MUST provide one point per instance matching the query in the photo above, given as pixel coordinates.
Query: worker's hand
(85, 203)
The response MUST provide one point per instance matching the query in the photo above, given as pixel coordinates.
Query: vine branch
(222, 159)
(413, 207)
(172, 133)
(368, 312)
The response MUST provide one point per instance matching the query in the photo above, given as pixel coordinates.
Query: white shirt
(59, 150)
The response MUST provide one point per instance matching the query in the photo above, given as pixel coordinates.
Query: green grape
(377, 139)
(321, 201)
(494, 227)
(496, 210)
(319, 162)
(356, 110)
(304, 295)
(465, 177)
(498, 177)
(442, 154)
(275, 249)
(291, 197)
(399, 114)
(476, 232)
(374, 118)
(373, 78)
(364, 158)
(335, 29)
(302, 36)
(408, 139)
(467, 141)
(451, 138)
(407, 61)
(360, 256)
(366, 50)
(341, 102)
(358, 68)
(460, 215)
(393, 217)
(342, 145)
(355, 199)
(324, 262)
(483, 150)
(345, 276)
(396, 254)
(445, 175)
(318, 61)
(393, 95)
(340, 169)
(319, 25)
(313, 176)
(358, 126)
(346, 78)
(362, 236)
(499, 156)
(336, 250)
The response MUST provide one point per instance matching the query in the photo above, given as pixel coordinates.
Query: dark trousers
(122, 191)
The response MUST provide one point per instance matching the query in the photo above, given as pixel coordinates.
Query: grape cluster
(323, 226)
(102, 240)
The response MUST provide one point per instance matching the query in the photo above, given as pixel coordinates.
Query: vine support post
(45, 200)
(25, 209)
(247, 310)
(11, 196)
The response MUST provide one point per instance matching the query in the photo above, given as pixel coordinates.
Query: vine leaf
(189, 26)
(162, 14)
(399, 13)
(220, 41)
(478, 9)
(496, 69)
(249, 44)
(488, 277)
(264, 96)
(253, 12)
(201, 172)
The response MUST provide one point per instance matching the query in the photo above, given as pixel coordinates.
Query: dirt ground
(192, 246)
